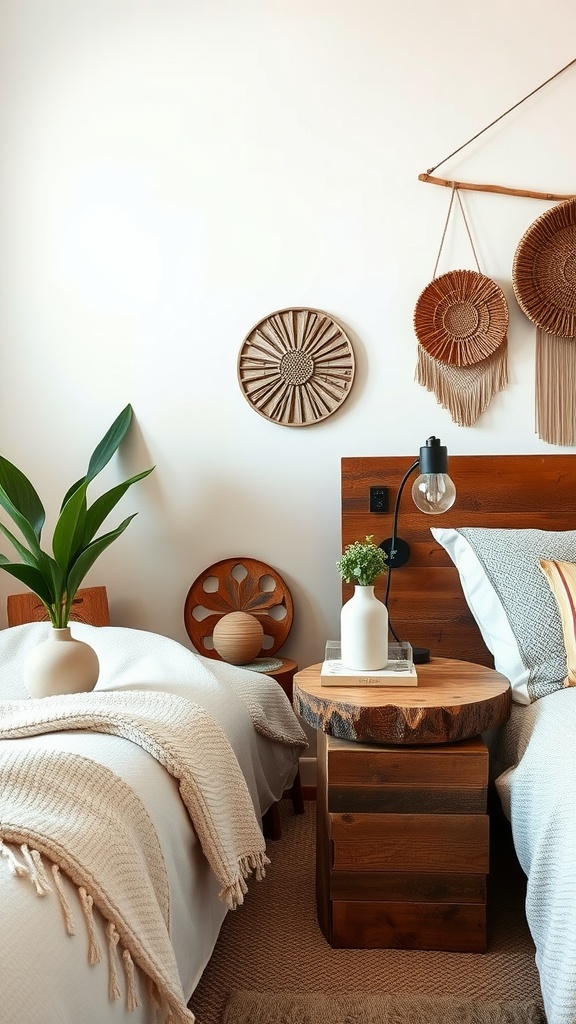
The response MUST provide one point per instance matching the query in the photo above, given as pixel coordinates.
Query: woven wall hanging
(461, 322)
(544, 280)
(296, 366)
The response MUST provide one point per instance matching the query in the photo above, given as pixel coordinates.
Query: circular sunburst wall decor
(296, 366)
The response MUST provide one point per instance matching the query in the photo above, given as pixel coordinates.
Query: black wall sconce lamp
(433, 492)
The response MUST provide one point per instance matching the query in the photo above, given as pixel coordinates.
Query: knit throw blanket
(86, 821)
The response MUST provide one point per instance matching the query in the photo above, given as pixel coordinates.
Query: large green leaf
(109, 443)
(27, 530)
(86, 558)
(22, 496)
(26, 555)
(53, 574)
(31, 577)
(103, 505)
(71, 491)
(69, 529)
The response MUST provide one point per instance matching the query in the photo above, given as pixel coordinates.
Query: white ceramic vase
(61, 664)
(364, 631)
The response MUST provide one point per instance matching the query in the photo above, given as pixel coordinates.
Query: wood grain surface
(426, 603)
(402, 845)
(454, 700)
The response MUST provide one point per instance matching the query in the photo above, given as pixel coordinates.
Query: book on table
(398, 671)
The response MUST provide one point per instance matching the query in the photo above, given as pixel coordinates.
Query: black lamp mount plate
(401, 552)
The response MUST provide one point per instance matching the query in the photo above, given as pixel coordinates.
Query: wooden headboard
(426, 603)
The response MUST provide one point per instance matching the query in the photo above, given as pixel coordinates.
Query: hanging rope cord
(455, 192)
(430, 170)
(502, 189)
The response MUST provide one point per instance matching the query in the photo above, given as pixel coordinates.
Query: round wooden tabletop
(454, 700)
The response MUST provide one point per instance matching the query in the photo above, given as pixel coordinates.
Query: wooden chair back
(89, 606)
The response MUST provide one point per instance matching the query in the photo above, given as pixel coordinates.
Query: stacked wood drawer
(402, 845)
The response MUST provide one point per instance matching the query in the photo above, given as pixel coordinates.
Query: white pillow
(511, 601)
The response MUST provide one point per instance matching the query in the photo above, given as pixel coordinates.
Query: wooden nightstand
(402, 846)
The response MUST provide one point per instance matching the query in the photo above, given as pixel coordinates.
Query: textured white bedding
(45, 977)
(535, 763)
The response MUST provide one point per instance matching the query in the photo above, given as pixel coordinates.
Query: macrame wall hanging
(544, 282)
(461, 320)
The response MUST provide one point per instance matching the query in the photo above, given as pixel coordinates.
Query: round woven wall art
(461, 318)
(544, 271)
(296, 366)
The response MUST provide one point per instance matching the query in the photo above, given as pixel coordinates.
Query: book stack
(399, 670)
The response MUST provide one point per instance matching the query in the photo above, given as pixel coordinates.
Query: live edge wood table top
(453, 700)
(402, 830)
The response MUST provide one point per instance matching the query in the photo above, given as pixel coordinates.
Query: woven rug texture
(272, 945)
(372, 1008)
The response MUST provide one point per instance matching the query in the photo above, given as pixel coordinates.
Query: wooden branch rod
(501, 189)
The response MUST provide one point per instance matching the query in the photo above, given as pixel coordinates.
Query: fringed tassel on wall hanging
(461, 322)
(465, 391)
(555, 388)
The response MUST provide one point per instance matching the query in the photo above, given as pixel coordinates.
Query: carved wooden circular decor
(238, 585)
(296, 366)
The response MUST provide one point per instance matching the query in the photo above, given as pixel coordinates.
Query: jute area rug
(371, 1008)
(272, 964)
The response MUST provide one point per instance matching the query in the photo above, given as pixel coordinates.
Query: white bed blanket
(535, 758)
(51, 981)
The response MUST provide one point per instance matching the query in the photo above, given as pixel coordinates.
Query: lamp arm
(409, 471)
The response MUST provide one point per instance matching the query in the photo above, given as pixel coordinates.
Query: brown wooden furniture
(402, 845)
(426, 603)
(90, 606)
(248, 585)
(402, 838)
(433, 797)
(453, 700)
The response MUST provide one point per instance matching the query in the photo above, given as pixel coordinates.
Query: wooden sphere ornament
(238, 638)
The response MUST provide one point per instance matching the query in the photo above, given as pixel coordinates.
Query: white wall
(171, 171)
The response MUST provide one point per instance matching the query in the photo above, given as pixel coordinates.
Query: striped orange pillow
(561, 577)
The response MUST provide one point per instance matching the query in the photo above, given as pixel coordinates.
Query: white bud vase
(364, 631)
(61, 664)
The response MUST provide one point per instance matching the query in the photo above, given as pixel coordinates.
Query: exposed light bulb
(433, 493)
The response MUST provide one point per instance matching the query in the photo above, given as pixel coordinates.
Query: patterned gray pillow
(528, 647)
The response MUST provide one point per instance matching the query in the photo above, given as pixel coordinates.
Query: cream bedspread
(162, 724)
(136, 661)
(535, 765)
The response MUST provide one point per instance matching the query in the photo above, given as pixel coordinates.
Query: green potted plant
(362, 562)
(363, 619)
(55, 577)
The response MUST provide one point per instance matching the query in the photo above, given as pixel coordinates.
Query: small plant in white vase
(55, 578)
(364, 618)
(362, 562)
